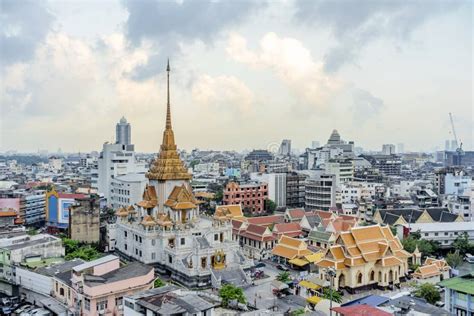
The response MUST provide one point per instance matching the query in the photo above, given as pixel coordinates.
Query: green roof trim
(464, 284)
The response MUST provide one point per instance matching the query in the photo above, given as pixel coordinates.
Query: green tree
(219, 195)
(462, 244)
(283, 277)
(158, 283)
(70, 245)
(86, 253)
(229, 293)
(454, 259)
(429, 292)
(296, 312)
(336, 296)
(426, 247)
(270, 206)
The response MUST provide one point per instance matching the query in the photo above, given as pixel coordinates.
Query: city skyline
(70, 80)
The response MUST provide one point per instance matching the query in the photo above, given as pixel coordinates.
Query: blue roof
(372, 300)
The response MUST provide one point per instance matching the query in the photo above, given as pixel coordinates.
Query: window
(153, 255)
(446, 233)
(119, 302)
(87, 304)
(170, 259)
(125, 234)
(140, 239)
(216, 237)
(125, 246)
(372, 276)
(436, 234)
(183, 241)
(359, 278)
(153, 242)
(101, 305)
(61, 291)
(56, 286)
(426, 234)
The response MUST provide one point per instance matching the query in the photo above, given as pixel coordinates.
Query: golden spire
(168, 165)
(168, 107)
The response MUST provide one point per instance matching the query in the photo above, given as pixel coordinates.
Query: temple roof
(181, 198)
(168, 165)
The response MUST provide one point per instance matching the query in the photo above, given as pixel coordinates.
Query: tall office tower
(447, 145)
(123, 132)
(285, 147)
(315, 144)
(401, 148)
(388, 149)
(454, 145)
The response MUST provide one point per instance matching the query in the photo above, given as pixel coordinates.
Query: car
(469, 258)
(26, 311)
(40, 312)
(5, 311)
(260, 265)
(282, 267)
(21, 309)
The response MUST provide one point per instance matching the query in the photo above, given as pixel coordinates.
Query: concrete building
(251, 196)
(84, 220)
(444, 233)
(388, 149)
(285, 148)
(27, 249)
(57, 210)
(55, 164)
(276, 186)
(28, 204)
(98, 287)
(295, 189)
(127, 189)
(320, 192)
(165, 230)
(459, 295)
(123, 132)
(115, 160)
(343, 169)
(390, 165)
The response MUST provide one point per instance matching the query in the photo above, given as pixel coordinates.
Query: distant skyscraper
(285, 147)
(123, 132)
(401, 148)
(315, 144)
(447, 146)
(454, 145)
(388, 149)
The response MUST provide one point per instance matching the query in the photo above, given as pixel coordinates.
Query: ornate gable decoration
(181, 199)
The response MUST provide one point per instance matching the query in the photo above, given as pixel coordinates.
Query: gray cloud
(24, 25)
(355, 24)
(365, 105)
(167, 23)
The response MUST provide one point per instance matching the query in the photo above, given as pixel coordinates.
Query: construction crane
(459, 151)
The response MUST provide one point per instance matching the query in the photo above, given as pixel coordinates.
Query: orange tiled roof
(427, 271)
(291, 242)
(181, 198)
(7, 214)
(122, 212)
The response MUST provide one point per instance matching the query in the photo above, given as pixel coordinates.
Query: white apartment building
(456, 183)
(444, 233)
(211, 167)
(276, 186)
(320, 192)
(342, 169)
(115, 160)
(55, 164)
(127, 189)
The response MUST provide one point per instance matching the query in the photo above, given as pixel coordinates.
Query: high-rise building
(320, 192)
(388, 149)
(343, 169)
(285, 148)
(401, 148)
(276, 186)
(123, 132)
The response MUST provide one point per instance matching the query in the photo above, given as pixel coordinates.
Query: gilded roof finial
(168, 106)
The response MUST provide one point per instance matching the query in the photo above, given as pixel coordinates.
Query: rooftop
(131, 270)
(464, 284)
(94, 263)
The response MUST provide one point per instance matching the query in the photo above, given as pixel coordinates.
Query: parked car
(260, 265)
(23, 308)
(469, 258)
(40, 312)
(282, 267)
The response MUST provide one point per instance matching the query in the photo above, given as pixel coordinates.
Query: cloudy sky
(245, 74)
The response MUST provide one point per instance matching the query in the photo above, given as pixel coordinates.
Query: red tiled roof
(360, 310)
(287, 228)
(266, 220)
(323, 214)
(296, 213)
